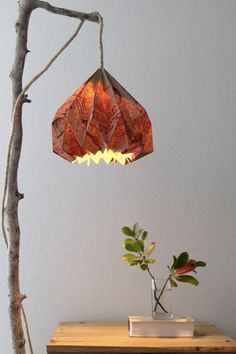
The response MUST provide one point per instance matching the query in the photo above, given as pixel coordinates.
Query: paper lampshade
(101, 120)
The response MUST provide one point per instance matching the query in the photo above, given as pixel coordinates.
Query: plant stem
(152, 276)
(162, 290)
(155, 292)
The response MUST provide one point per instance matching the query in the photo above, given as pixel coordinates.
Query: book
(147, 327)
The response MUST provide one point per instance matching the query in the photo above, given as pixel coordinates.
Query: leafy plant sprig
(139, 255)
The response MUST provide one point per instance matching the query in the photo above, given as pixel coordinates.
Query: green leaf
(136, 229)
(129, 245)
(136, 261)
(140, 245)
(200, 264)
(144, 235)
(128, 240)
(182, 260)
(144, 266)
(140, 231)
(187, 279)
(127, 231)
(128, 257)
(174, 262)
(173, 283)
(132, 245)
(150, 260)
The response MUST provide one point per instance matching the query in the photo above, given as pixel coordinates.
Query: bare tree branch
(66, 12)
(12, 197)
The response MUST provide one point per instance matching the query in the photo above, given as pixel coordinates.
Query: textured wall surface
(178, 59)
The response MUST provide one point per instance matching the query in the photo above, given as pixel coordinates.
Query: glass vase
(161, 299)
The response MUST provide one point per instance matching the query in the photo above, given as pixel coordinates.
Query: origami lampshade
(101, 120)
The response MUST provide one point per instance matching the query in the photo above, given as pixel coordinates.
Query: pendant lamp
(101, 121)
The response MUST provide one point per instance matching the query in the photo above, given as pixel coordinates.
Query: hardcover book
(147, 327)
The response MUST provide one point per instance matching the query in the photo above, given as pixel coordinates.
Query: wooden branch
(13, 235)
(66, 12)
(11, 195)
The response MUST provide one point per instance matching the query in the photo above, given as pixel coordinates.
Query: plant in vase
(140, 255)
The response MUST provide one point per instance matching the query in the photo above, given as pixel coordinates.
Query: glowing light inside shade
(106, 155)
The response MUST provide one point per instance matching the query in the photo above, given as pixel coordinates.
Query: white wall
(178, 59)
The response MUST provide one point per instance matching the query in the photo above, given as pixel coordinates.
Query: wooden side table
(110, 338)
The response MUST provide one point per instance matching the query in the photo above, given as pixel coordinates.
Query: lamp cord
(101, 24)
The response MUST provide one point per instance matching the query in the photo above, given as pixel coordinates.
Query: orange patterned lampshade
(101, 120)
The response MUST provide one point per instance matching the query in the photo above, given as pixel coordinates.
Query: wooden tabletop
(79, 337)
